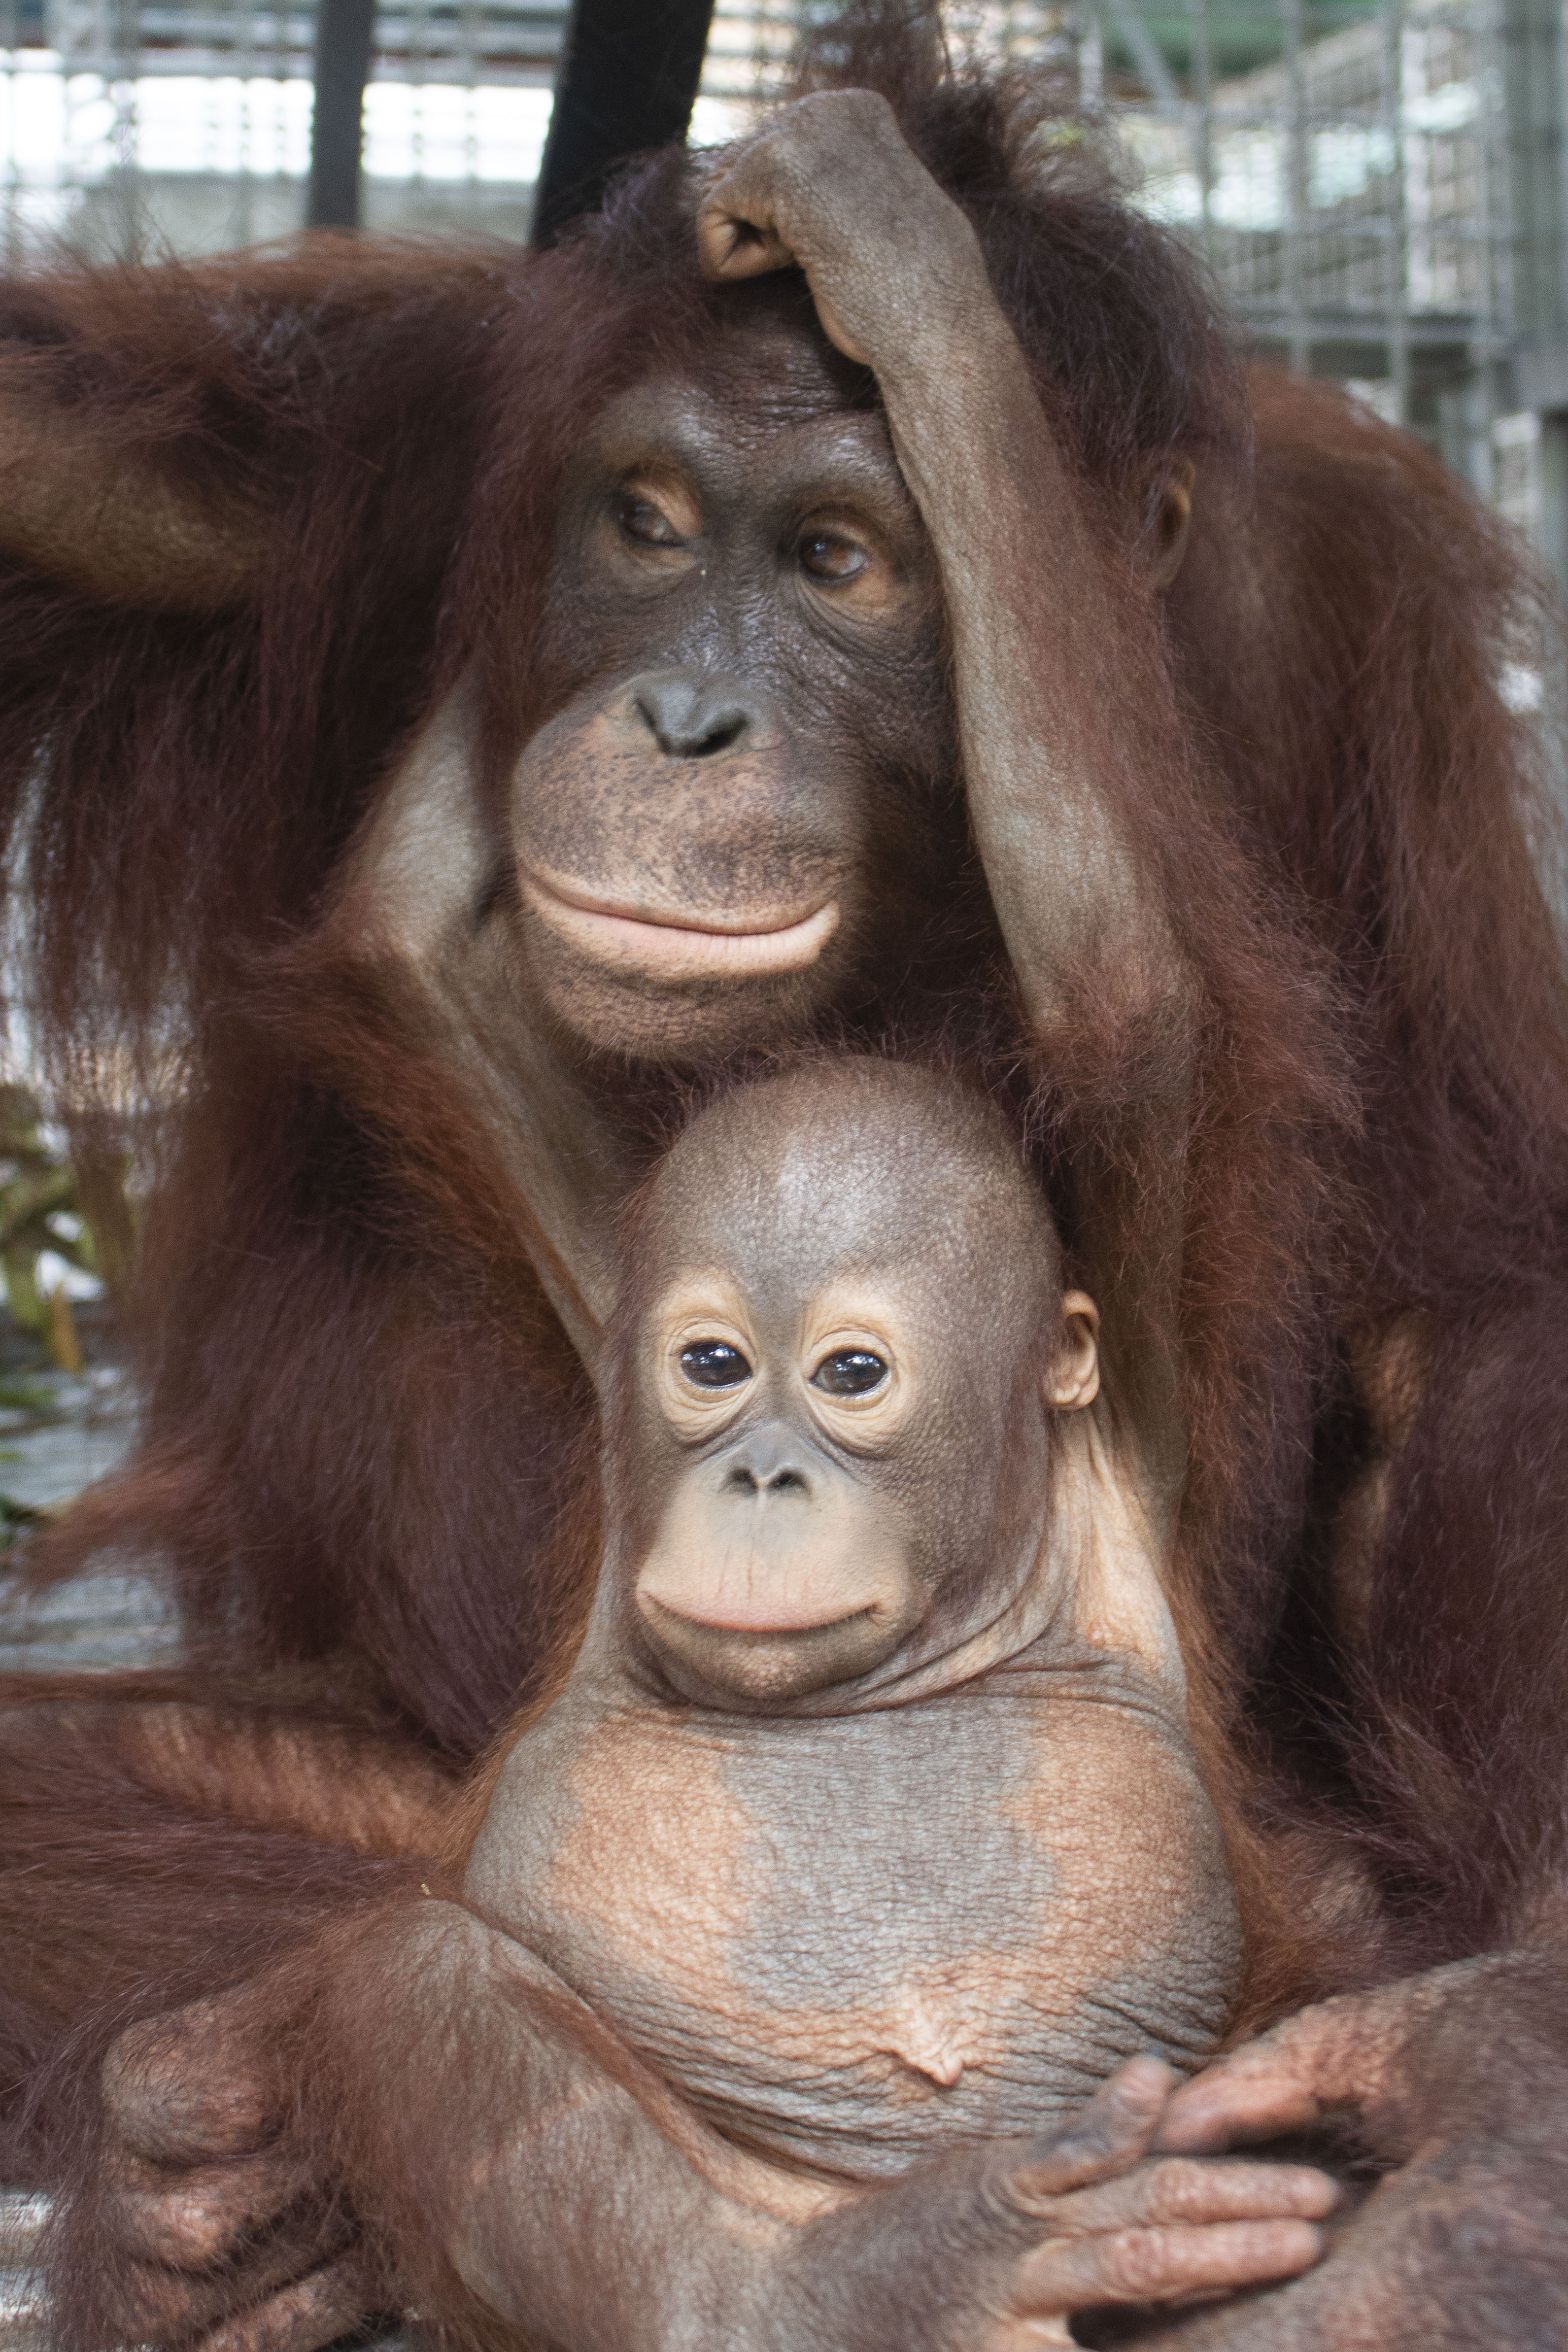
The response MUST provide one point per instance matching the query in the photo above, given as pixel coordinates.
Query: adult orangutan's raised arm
(1050, 718)
(155, 429)
(103, 519)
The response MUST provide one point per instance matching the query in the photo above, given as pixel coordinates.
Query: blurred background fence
(1379, 185)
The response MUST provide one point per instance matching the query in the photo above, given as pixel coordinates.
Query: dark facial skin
(745, 626)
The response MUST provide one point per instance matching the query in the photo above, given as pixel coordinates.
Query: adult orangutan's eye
(647, 524)
(714, 1364)
(828, 556)
(849, 1371)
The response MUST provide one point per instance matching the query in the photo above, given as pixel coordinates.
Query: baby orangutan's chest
(853, 1941)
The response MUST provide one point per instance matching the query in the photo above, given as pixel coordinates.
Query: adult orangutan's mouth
(773, 1620)
(747, 945)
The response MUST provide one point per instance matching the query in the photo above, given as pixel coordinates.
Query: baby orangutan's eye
(714, 1364)
(849, 1371)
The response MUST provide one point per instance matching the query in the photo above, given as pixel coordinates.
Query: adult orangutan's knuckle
(1180, 2190)
(1134, 2262)
(177, 2229)
(149, 2300)
(1006, 2200)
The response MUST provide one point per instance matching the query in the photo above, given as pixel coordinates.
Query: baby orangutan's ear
(1073, 1379)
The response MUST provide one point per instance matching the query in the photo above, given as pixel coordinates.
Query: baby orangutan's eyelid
(861, 1423)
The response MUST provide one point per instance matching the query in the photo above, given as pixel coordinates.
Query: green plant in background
(77, 1211)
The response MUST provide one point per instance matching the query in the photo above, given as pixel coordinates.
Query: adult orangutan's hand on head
(1037, 601)
(893, 265)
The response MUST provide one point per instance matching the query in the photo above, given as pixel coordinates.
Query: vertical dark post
(344, 32)
(628, 75)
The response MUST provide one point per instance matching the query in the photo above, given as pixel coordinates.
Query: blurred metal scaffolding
(1378, 185)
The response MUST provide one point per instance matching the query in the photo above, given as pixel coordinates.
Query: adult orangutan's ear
(112, 520)
(1073, 1379)
(1170, 512)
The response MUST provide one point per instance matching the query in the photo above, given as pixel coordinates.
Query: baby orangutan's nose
(768, 1465)
(775, 1570)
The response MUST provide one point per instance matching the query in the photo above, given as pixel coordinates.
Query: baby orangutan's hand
(996, 2251)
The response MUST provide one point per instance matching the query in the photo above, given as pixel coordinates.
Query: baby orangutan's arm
(524, 2165)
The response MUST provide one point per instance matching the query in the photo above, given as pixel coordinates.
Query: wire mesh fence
(1342, 164)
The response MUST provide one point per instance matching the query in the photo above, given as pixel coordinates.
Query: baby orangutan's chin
(724, 1665)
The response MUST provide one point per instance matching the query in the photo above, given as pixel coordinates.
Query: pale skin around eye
(710, 1361)
(848, 1358)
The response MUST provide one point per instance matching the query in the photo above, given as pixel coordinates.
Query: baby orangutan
(864, 1841)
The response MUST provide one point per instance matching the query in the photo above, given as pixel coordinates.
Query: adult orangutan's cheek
(681, 795)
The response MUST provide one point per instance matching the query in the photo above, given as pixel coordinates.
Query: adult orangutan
(448, 707)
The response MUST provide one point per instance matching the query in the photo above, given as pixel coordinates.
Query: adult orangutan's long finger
(1109, 2136)
(1191, 2192)
(739, 236)
(732, 242)
(301, 2318)
(1157, 2266)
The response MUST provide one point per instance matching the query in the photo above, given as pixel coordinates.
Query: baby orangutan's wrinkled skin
(867, 1818)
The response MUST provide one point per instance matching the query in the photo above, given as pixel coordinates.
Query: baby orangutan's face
(841, 1390)
(783, 1561)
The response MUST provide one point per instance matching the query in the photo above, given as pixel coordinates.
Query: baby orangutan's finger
(1148, 2265)
(315, 2311)
(1109, 2137)
(1340, 2055)
(1189, 2193)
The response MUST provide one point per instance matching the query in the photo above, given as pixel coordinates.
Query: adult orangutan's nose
(699, 714)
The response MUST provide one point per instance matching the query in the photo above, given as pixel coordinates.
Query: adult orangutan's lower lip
(668, 949)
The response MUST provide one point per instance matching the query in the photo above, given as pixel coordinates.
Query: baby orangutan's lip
(656, 941)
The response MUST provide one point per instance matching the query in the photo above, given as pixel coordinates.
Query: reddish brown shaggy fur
(362, 1418)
